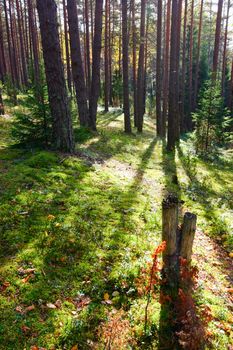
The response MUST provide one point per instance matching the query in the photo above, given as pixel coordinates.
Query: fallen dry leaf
(30, 308)
(51, 306)
(58, 303)
(4, 286)
(22, 271)
(75, 347)
(26, 279)
(25, 329)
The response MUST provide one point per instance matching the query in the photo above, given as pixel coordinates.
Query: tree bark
(187, 235)
(96, 52)
(134, 43)
(217, 39)
(33, 37)
(183, 74)
(125, 67)
(69, 80)
(166, 68)
(224, 55)
(22, 49)
(2, 112)
(160, 131)
(88, 47)
(106, 57)
(61, 124)
(191, 66)
(76, 62)
(198, 56)
(173, 113)
(141, 69)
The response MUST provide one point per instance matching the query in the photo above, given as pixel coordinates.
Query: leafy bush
(212, 120)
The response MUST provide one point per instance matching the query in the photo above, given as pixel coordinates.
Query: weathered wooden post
(187, 235)
(169, 234)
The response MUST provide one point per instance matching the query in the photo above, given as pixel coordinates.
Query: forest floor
(76, 230)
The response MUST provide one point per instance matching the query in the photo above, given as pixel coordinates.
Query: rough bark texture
(190, 107)
(224, 55)
(76, 62)
(198, 55)
(22, 49)
(187, 235)
(173, 113)
(62, 127)
(33, 36)
(166, 68)
(141, 68)
(106, 57)
(125, 67)
(158, 70)
(217, 38)
(134, 43)
(96, 51)
(88, 47)
(2, 112)
(68, 70)
(169, 234)
(182, 87)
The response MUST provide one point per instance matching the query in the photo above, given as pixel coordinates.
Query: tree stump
(169, 234)
(187, 235)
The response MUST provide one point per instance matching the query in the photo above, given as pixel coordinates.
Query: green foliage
(211, 120)
(10, 89)
(32, 124)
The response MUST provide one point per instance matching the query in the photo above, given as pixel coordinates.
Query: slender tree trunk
(191, 65)
(14, 48)
(106, 57)
(3, 67)
(22, 48)
(158, 70)
(58, 100)
(166, 68)
(2, 112)
(198, 55)
(67, 48)
(125, 67)
(224, 55)
(88, 47)
(217, 38)
(173, 118)
(141, 67)
(134, 43)
(96, 52)
(77, 64)
(183, 74)
(33, 36)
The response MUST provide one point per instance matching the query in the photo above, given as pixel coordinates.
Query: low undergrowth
(77, 230)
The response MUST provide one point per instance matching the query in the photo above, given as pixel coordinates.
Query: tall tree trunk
(173, 112)
(58, 100)
(67, 48)
(106, 57)
(217, 38)
(96, 52)
(166, 68)
(3, 67)
(134, 43)
(160, 132)
(34, 44)
(183, 74)
(77, 64)
(125, 67)
(141, 68)
(198, 55)
(14, 48)
(22, 48)
(191, 65)
(224, 55)
(88, 47)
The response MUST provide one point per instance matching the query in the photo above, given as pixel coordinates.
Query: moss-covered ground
(75, 231)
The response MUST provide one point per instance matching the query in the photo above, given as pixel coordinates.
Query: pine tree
(211, 119)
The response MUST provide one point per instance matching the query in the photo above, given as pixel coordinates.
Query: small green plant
(10, 90)
(211, 120)
(32, 125)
